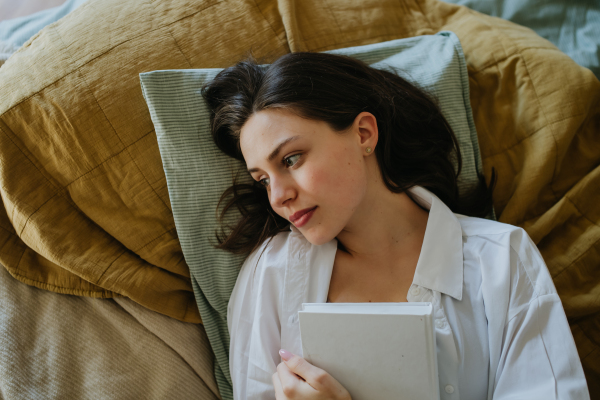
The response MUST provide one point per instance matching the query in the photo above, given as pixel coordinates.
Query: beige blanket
(56, 346)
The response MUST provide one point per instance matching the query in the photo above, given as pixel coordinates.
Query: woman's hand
(297, 379)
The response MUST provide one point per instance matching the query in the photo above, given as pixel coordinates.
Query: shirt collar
(440, 265)
(295, 231)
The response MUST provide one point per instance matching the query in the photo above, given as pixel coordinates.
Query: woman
(356, 200)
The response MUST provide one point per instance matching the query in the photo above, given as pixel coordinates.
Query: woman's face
(308, 168)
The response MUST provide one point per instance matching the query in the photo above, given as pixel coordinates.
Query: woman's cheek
(318, 179)
(332, 174)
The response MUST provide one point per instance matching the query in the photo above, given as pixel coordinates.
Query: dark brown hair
(416, 145)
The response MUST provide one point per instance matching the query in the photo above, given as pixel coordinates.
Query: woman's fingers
(296, 378)
(314, 376)
(291, 385)
(279, 395)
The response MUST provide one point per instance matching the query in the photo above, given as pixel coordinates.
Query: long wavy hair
(416, 144)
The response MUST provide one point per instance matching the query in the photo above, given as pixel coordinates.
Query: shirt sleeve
(538, 358)
(254, 327)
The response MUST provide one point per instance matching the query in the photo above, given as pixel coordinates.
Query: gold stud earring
(368, 149)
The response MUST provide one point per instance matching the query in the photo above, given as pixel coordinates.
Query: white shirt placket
(447, 354)
(294, 291)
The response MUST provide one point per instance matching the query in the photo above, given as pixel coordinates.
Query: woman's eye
(288, 162)
(265, 182)
(291, 160)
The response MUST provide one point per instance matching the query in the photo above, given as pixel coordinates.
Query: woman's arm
(538, 358)
(254, 328)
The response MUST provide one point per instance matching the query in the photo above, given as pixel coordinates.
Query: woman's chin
(315, 237)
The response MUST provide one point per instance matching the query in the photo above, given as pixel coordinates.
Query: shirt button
(449, 389)
(415, 291)
(440, 324)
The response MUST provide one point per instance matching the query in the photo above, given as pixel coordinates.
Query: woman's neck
(386, 225)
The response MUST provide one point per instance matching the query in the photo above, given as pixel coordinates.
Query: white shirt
(501, 330)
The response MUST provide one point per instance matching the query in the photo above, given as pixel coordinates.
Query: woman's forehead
(267, 132)
(274, 118)
(269, 126)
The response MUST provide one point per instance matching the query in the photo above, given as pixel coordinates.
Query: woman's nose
(282, 190)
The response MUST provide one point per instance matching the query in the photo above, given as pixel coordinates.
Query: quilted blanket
(85, 207)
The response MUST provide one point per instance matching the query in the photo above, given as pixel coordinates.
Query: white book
(377, 351)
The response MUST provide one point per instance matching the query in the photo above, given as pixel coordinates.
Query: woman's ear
(365, 125)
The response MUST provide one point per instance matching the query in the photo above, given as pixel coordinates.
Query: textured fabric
(198, 172)
(6, 50)
(17, 31)
(501, 332)
(85, 204)
(573, 26)
(55, 346)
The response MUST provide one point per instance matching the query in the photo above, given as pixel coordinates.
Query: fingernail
(286, 355)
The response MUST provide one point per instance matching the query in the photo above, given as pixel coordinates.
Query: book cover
(376, 351)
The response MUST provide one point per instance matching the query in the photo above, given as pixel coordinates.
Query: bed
(94, 275)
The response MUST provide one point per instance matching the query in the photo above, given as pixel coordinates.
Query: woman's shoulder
(270, 258)
(260, 280)
(271, 251)
(275, 251)
(473, 226)
(506, 251)
(496, 234)
(286, 257)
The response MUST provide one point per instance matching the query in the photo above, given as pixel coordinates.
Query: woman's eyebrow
(276, 151)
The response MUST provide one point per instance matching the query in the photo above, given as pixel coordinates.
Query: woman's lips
(301, 217)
